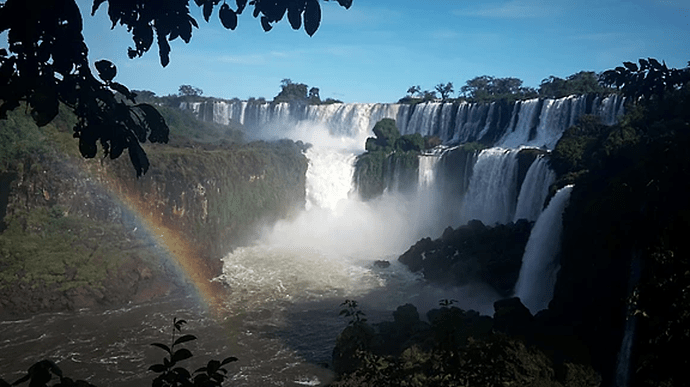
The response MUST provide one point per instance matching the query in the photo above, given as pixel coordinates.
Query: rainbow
(181, 253)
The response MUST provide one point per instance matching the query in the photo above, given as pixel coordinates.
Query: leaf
(159, 132)
(294, 14)
(212, 366)
(265, 24)
(182, 372)
(185, 339)
(208, 9)
(96, 4)
(630, 66)
(181, 354)
(106, 70)
(228, 360)
(162, 346)
(157, 368)
(240, 6)
(122, 89)
(87, 148)
(312, 17)
(163, 49)
(345, 3)
(227, 17)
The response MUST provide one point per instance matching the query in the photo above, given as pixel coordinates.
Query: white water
(533, 122)
(534, 190)
(328, 250)
(537, 277)
(491, 194)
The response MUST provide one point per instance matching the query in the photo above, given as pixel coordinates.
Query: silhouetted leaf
(265, 24)
(185, 339)
(345, 3)
(122, 89)
(240, 5)
(157, 368)
(228, 360)
(163, 49)
(294, 14)
(208, 9)
(227, 17)
(182, 372)
(106, 70)
(162, 346)
(212, 366)
(312, 17)
(630, 66)
(96, 4)
(181, 354)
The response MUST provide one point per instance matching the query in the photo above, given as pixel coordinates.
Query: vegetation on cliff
(454, 347)
(630, 205)
(66, 240)
(390, 160)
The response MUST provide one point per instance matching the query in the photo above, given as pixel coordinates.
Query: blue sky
(376, 50)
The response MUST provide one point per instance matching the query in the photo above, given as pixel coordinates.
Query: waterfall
(537, 277)
(535, 122)
(329, 176)
(491, 194)
(427, 167)
(624, 354)
(534, 190)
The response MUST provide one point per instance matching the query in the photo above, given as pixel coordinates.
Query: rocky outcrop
(473, 252)
(455, 347)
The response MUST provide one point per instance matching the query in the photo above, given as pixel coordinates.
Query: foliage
(583, 82)
(191, 91)
(211, 375)
(487, 89)
(458, 348)
(648, 81)
(630, 203)
(40, 246)
(444, 90)
(386, 135)
(300, 93)
(47, 63)
(387, 154)
(351, 310)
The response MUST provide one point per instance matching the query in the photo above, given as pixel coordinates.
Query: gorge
(327, 241)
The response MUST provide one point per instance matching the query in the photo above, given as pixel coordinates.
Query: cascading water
(491, 195)
(537, 277)
(535, 123)
(282, 313)
(534, 190)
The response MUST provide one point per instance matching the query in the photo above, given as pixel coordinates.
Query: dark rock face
(473, 252)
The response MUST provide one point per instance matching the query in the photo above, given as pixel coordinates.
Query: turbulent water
(281, 317)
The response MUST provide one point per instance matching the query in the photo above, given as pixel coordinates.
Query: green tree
(189, 90)
(583, 82)
(444, 90)
(292, 92)
(414, 91)
(46, 62)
